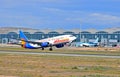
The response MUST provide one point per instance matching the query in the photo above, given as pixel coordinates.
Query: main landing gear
(42, 48)
(50, 49)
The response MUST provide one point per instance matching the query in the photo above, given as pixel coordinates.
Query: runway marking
(58, 54)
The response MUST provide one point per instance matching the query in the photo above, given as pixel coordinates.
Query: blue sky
(60, 14)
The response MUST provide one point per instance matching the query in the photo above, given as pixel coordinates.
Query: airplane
(57, 41)
(89, 44)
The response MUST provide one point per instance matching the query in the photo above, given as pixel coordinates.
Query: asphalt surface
(57, 54)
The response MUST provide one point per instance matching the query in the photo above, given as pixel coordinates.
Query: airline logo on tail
(23, 43)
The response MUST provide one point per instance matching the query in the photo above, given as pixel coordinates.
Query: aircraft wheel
(50, 49)
(42, 48)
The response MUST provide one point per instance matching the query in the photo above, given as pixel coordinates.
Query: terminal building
(110, 36)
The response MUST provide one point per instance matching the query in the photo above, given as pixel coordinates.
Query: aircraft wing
(34, 42)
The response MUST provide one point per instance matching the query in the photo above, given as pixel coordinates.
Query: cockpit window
(71, 36)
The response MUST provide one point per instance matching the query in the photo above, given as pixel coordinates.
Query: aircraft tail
(96, 41)
(23, 39)
(22, 36)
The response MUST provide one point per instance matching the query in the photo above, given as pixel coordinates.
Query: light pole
(80, 31)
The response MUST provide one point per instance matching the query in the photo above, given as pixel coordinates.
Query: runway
(57, 54)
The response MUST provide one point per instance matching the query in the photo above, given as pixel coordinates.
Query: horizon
(63, 14)
(60, 28)
(115, 28)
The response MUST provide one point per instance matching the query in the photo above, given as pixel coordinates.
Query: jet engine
(60, 45)
(45, 44)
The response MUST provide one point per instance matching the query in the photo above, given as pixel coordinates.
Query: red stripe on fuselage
(60, 41)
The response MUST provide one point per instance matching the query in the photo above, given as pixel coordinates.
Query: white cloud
(105, 17)
(102, 19)
(52, 9)
(49, 12)
(95, 19)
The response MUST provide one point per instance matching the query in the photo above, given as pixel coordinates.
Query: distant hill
(5, 30)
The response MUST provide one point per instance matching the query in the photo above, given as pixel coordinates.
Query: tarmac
(56, 54)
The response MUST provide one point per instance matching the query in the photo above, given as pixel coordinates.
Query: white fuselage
(56, 40)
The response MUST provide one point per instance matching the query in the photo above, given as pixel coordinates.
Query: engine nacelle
(45, 44)
(60, 45)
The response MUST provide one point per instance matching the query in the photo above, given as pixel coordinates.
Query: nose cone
(74, 38)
